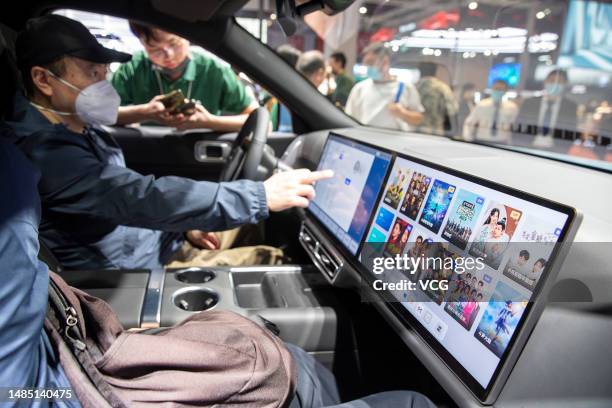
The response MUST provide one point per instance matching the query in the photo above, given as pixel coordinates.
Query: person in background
(603, 118)
(551, 116)
(492, 119)
(289, 53)
(466, 102)
(585, 146)
(440, 104)
(382, 100)
(344, 82)
(168, 63)
(280, 115)
(311, 64)
(587, 109)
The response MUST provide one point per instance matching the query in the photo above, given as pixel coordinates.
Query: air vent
(322, 257)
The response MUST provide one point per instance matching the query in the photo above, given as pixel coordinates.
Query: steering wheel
(248, 148)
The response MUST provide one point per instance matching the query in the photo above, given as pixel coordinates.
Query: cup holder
(195, 299)
(194, 275)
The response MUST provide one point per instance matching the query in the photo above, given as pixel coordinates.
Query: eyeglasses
(160, 52)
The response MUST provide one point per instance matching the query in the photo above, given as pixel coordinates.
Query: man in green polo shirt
(344, 83)
(168, 64)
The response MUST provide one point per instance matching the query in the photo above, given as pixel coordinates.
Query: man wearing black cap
(55, 47)
(96, 212)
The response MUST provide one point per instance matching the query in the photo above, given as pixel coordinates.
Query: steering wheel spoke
(248, 148)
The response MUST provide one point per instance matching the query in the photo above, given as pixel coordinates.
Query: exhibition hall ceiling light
(542, 14)
(470, 33)
(507, 40)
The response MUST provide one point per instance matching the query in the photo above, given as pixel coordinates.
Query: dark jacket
(567, 121)
(99, 214)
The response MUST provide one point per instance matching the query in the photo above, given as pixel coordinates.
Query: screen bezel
(406, 318)
(344, 250)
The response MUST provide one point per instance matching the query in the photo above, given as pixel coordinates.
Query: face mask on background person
(373, 72)
(497, 95)
(554, 89)
(96, 104)
(172, 72)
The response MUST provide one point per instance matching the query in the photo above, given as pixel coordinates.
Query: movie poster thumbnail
(415, 194)
(468, 292)
(462, 218)
(436, 206)
(417, 247)
(530, 252)
(398, 238)
(493, 236)
(396, 187)
(500, 319)
(440, 267)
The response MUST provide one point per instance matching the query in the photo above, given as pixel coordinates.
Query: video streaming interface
(344, 203)
(495, 249)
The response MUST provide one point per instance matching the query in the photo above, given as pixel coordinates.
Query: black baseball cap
(50, 37)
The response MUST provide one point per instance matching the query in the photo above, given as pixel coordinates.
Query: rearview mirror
(288, 11)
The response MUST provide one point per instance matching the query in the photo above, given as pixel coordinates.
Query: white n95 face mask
(96, 104)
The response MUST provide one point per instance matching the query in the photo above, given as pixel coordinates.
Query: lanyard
(400, 91)
(161, 85)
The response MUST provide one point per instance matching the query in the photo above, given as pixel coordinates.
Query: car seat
(8, 70)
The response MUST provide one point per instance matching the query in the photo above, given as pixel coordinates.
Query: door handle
(207, 151)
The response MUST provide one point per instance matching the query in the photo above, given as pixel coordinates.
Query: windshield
(528, 75)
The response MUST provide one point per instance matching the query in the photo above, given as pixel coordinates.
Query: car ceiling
(186, 10)
(199, 10)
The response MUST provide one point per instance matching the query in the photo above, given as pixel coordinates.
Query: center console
(289, 299)
(285, 298)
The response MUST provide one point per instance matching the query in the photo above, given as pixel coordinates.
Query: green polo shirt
(214, 84)
(344, 84)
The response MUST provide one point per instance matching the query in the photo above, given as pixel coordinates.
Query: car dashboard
(542, 355)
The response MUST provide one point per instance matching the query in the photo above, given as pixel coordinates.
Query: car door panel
(196, 154)
(164, 152)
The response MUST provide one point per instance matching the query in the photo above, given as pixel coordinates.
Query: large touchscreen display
(343, 204)
(425, 213)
